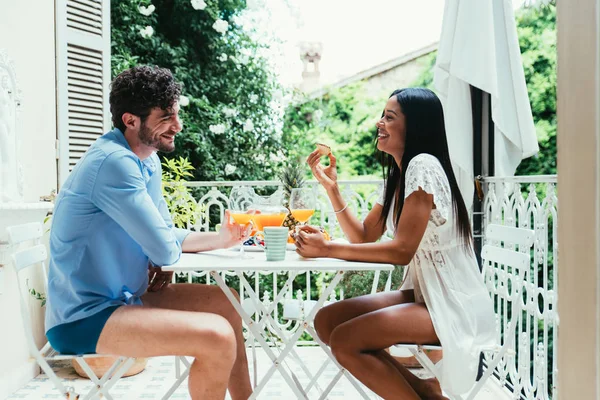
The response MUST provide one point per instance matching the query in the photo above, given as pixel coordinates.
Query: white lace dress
(445, 276)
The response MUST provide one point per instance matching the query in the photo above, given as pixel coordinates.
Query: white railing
(524, 201)
(531, 202)
(360, 195)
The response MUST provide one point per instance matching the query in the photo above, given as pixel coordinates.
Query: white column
(579, 199)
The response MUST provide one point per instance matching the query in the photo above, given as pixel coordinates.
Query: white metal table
(219, 261)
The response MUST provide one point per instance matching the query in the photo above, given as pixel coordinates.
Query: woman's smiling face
(391, 129)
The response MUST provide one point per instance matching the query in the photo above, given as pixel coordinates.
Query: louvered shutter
(83, 77)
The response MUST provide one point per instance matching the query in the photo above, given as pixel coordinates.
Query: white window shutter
(82, 78)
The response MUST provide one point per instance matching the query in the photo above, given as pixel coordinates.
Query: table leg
(307, 322)
(258, 335)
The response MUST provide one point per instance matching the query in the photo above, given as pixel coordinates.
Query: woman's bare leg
(357, 345)
(328, 318)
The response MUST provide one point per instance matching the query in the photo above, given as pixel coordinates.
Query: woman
(443, 299)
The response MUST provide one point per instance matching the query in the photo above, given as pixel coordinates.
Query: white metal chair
(36, 254)
(503, 267)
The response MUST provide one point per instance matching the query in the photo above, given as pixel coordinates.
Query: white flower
(317, 115)
(279, 157)
(184, 101)
(252, 4)
(244, 59)
(260, 158)
(198, 4)
(244, 56)
(222, 57)
(147, 32)
(229, 169)
(221, 26)
(146, 10)
(248, 126)
(230, 112)
(217, 129)
(253, 98)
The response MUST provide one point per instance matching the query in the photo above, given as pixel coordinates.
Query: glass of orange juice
(269, 211)
(240, 210)
(302, 204)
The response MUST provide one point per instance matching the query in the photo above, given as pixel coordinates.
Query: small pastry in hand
(323, 149)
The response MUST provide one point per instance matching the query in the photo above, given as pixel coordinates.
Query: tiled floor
(159, 375)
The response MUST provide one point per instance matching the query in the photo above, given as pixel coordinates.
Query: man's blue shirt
(110, 220)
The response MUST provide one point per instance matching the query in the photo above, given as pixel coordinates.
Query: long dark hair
(425, 133)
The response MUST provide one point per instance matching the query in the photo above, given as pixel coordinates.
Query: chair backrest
(506, 264)
(22, 259)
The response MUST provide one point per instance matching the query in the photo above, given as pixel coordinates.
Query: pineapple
(292, 176)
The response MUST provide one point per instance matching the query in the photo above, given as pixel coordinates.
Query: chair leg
(114, 373)
(67, 391)
(93, 377)
(490, 368)
(429, 366)
(425, 361)
(126, 363)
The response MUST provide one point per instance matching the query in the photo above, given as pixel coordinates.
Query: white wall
(383, 84)
(27, 36)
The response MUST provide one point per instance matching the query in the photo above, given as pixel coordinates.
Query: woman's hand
(310, 243)
(231, 233)
(326, 176)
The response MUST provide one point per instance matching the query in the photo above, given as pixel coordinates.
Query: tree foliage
(344, 119)
(537, 38)
(349, 116)
(228, 82)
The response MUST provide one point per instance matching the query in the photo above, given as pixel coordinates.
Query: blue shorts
(81, 336)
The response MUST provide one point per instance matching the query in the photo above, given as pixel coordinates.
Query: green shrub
(225, 77)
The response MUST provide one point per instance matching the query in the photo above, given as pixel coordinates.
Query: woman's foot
(430, 389)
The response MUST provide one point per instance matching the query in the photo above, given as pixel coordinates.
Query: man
(110, 223)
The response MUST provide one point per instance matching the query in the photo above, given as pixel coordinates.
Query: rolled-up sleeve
(120, 191)
(181, 234)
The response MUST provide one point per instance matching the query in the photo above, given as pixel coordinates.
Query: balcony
(528, 372)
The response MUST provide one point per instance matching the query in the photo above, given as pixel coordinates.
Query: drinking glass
(302, 204)
(241, 200)
(269, 211)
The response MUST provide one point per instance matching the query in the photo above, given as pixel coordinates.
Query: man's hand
(232, 234)
(310, 243)
(157, 278)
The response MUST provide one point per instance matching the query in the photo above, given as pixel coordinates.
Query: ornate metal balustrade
(360, 195)
(515, 201)
(530, 202)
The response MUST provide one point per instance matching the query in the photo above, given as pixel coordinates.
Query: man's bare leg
(142, 331)
(210, 299)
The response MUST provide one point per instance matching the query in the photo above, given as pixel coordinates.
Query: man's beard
(145, 136)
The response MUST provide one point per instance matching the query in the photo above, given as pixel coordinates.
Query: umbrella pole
(477, 115)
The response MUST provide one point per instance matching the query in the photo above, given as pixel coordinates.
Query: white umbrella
(479, 47)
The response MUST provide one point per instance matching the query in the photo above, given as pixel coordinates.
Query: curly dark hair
(140, 89)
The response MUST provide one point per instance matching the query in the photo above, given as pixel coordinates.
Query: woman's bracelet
(337, 212)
